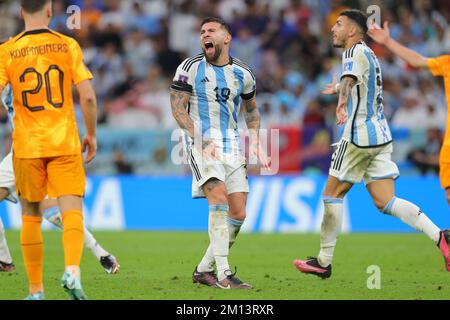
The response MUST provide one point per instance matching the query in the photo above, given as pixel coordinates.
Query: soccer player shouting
(205, 99)
(364, 151)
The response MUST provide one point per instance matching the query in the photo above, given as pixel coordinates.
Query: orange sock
(32, 249)
(73, 237)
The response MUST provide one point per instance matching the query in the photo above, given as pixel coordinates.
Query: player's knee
(380, 204)
(218, 199)
(237, 214)
(335, 194)
(383, 205)
(3, 193)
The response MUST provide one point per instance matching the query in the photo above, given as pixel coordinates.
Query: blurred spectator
(413, 112)
(141, 20)
(139, 53)
(246, 47)
(59, 19)
(91, 15)
(113, 19)
(134, 47)
(122, 166)
(426, 158)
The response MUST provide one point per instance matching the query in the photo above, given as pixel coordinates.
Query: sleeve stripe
(189, 59)
(188, 64)
(353, 50)
(242, 65)
(349, 53)
(192, 63)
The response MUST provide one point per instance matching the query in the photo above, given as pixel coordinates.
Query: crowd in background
(134, 47)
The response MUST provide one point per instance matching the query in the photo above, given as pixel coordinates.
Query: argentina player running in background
(364, 151)
(49, 207)
(205, 99)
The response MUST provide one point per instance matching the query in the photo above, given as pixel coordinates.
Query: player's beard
(337, 43)
(215, 57)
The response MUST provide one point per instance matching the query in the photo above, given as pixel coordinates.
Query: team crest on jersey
(348, 66)
(183, 78)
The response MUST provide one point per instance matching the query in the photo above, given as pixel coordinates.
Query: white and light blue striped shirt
(366, 125)
(216, 93)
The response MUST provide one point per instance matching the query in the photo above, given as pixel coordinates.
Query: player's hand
(379, 35)
(89, 143)
(209, 150)
(331, 88)
(341, 113)
(257, 152)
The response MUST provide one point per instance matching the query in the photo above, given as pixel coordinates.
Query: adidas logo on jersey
(205, 80)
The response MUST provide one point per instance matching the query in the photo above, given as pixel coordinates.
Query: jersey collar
(36, 31)
(230, 61)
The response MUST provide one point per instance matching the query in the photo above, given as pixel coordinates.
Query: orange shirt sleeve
(439, 66)
(80, 72)
(3, 73)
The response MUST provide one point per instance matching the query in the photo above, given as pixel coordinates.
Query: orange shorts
(55, 176)
(444, 167)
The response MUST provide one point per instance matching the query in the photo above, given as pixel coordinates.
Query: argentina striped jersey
(216, 93)
(366, 124)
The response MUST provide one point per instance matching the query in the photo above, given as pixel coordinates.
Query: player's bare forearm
(178, 101)
(89, 108)
(345, 89)
(410, 56)
(383, 36)
(88, 102)
(251, 115)
(346, 86)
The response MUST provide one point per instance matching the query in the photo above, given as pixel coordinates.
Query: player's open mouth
(209, 47)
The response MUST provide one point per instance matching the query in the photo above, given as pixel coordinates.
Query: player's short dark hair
(357, 16)
(33, 6)
(218, 20)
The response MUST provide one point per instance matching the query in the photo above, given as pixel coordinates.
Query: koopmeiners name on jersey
(39, 50)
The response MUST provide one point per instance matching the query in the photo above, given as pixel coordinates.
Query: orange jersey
(41, 66)
(440, 66)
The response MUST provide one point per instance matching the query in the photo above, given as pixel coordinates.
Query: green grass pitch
(158, 265)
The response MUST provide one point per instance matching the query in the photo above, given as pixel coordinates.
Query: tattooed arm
(178, 101)
(251, 115)
(253, 121)
(345, 89)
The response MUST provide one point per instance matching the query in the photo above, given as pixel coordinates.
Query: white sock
(330, 229)
(91, 243)
(219, 237)
(208, 261)
(411, 214)
(5, 255)
(53, 216)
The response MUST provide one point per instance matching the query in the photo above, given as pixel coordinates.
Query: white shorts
(232, 170)
(7, 179)
(352, 164)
